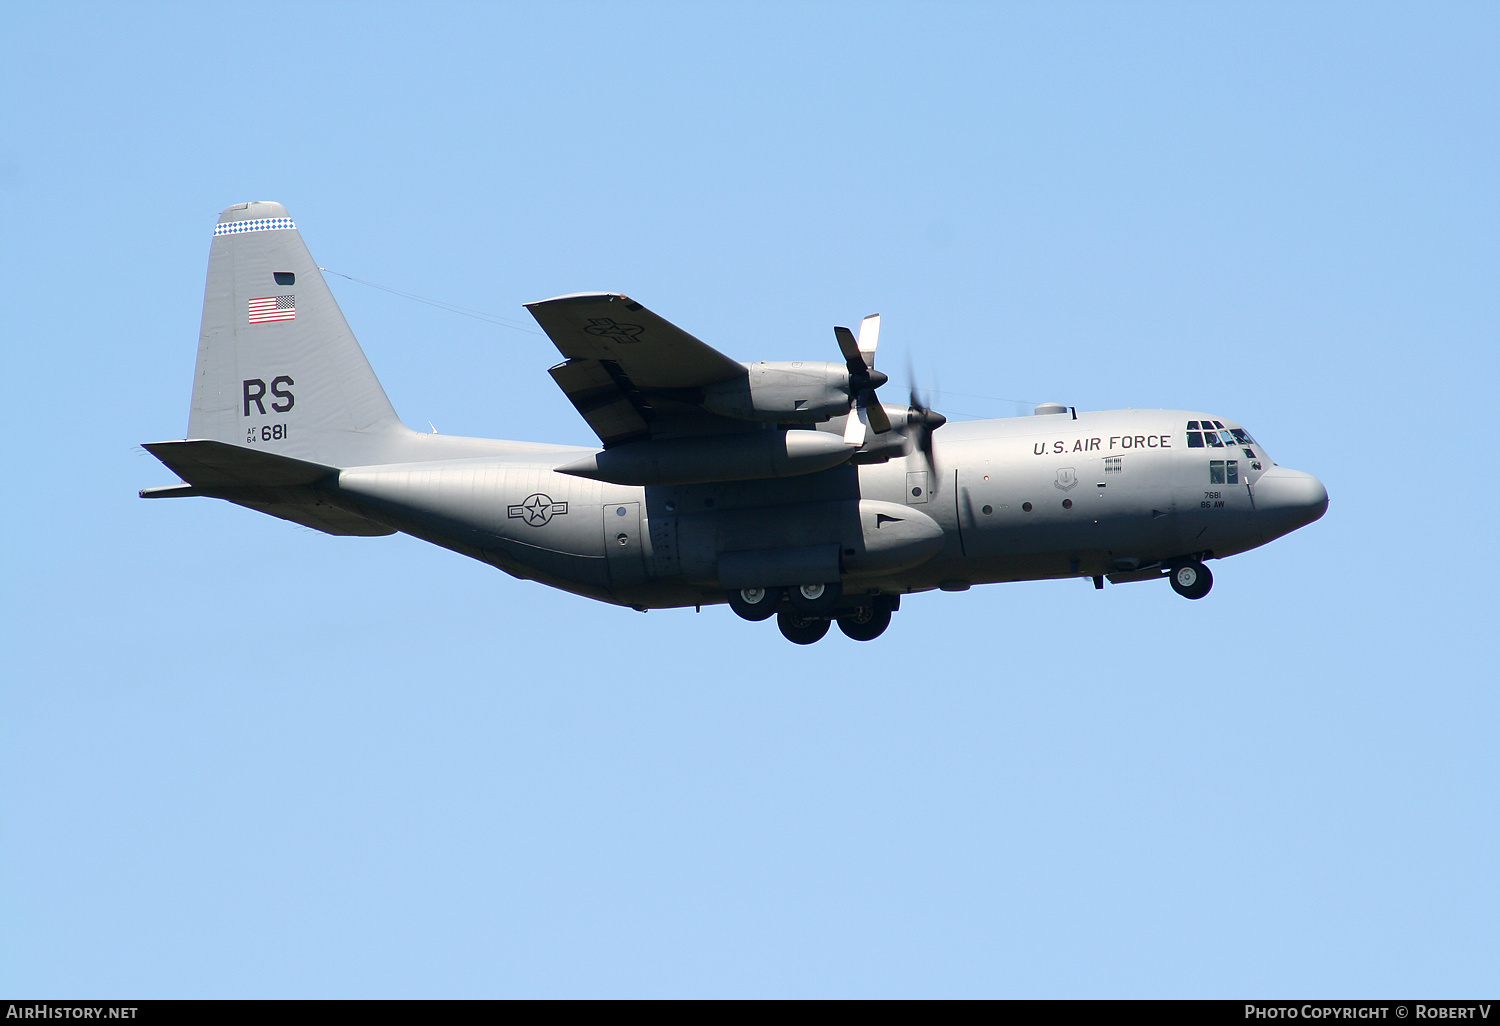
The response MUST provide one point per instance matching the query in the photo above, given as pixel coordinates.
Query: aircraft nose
(1287, 499)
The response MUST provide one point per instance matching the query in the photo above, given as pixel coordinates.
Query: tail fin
(278, 368)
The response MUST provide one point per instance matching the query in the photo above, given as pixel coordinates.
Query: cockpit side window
(1213, 439)
(1242, 436)
(1223, 471)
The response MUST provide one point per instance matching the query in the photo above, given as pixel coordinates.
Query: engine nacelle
(802, 392)
(743, 457)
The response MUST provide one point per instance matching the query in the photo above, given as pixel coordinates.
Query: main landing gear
(804, 613)
(755, 603)
(1192, 580)
(800, 629)
(865, 623)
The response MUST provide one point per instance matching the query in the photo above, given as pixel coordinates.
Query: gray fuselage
(1108, 493)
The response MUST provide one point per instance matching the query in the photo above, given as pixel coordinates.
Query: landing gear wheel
(815, 599)
(1192, 580)
(800, 629)
(866, 623)
(755, 603)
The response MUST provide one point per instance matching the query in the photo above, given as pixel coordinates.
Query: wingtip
(577, 297)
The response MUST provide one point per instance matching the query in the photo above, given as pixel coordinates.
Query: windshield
(1214, 435)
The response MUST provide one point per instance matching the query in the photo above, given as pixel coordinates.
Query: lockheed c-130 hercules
(784, 489)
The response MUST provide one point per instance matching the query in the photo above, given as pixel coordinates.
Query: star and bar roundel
(537, 509)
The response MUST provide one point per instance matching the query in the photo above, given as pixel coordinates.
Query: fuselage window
(1223, 471)
(1112, 464)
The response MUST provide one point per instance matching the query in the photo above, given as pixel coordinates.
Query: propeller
(865, 411)
(922, 420)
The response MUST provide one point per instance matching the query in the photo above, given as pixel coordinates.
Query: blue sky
(240, 758)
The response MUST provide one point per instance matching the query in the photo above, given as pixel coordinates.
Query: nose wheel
(1192, 580)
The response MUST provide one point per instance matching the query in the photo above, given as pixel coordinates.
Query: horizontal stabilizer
(207, 464)
(278, 485)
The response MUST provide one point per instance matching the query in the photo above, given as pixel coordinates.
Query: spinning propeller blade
(922, 421)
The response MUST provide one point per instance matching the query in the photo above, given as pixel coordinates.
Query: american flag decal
(273, 308)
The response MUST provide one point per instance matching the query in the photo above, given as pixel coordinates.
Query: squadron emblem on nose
(537, 509)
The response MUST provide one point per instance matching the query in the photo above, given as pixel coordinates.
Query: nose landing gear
(1192, 580)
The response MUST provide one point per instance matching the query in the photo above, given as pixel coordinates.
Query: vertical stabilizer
(278, 368)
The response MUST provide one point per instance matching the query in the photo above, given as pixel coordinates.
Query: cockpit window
(1212, 433)
(1223, 471)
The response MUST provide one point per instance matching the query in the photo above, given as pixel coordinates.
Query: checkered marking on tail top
(264, 224)
(273, 308)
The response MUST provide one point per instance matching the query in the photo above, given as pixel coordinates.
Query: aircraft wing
(631, 374)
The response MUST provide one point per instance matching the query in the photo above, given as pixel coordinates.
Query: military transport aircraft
(784, 489)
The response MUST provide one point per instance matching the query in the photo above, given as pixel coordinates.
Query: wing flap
(615, 415)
